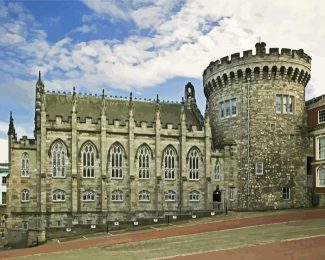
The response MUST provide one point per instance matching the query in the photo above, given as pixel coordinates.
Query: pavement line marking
(154, 228)
(302, 238)
(85, 237)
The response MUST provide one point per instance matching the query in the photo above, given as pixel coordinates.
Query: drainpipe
(248, 142)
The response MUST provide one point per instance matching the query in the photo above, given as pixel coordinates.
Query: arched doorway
(217, 199)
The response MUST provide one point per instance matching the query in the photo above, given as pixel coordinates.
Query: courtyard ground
(281, 234)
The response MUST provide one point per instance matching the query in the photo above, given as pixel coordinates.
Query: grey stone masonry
(257, 102)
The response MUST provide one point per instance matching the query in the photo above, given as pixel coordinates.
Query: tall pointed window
(193, 159)
(24, 165)
(144, 155)
(170, 163)
(117, 162)
(59, 153)
(88, 160)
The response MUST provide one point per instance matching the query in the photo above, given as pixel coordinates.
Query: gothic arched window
(193, 160)
(117, 162)
(58, 195)
(59, 153)
(24, 165)
(170, 195)
(194, 195)
(144, 195)
(117, 195)
(88, 154)
(170, 163)
(88, 195)
(144, 155)
(24, 195)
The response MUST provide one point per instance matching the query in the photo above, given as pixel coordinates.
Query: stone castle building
(96, 158)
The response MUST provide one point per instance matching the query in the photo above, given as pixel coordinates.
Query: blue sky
(143, 46)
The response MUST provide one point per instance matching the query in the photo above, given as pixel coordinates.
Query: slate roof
(118, 109)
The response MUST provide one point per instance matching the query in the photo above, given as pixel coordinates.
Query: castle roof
(118, 109)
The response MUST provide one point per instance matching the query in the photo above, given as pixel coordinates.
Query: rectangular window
(284, 100)
(259, 168)
(232, 193)
(278, 104)
(321, 116)
(321, 147)
(286, 193)
(222, 110)
(4, 180)
(3, 198)
(233, 107)
(290, 104)
(284, 104)
(320, 182)
(227, 108)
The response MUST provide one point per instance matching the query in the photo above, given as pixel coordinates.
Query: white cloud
(182, 41)
(3, 150)
(86, 28)
(113, 8)
(20, 130)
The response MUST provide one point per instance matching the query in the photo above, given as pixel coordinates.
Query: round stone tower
(258, 102)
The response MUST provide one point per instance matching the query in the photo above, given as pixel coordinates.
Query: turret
(11, 130)
(189, 94)
(292, 65)
(257, 101)
(39, 102)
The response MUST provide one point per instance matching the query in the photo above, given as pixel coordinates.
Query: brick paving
(163, 233)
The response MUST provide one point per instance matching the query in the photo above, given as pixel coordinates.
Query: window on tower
(259, 168)
(284, 104)
(228, 108)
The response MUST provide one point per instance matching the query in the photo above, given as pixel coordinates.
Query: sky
(143, 46)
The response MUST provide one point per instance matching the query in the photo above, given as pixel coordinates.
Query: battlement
(287, 64)
(24, 142)
(112, 97)
(260, 52)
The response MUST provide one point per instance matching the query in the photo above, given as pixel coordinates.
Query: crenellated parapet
(24, 143)
(285, 64)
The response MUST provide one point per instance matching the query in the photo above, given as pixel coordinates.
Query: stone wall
(263, 135)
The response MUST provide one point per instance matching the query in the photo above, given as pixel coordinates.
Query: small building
(316, 125)
(4, 168)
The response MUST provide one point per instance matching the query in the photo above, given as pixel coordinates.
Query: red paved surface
(311, 248)
(155, 234)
